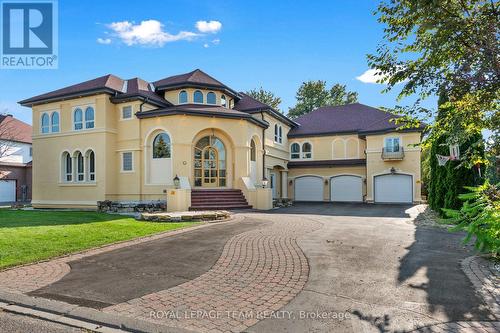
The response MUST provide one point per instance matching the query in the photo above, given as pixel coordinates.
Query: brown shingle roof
(108, 82)
(349, 118)
(138, 88)
(251, 105)
(12, 129)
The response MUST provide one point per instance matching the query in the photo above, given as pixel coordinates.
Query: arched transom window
(162, 146)
(198, 97)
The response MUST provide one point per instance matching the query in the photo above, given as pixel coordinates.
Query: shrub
(479, 217)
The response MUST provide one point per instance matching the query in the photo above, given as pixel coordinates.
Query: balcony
(393, 155)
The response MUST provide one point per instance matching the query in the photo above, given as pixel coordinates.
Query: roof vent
(125, 86)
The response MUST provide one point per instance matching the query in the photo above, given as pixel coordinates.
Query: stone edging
(484, 280)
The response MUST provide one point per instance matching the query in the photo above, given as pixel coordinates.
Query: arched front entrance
(210, 162)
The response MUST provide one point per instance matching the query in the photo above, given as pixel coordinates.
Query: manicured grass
(29, 236)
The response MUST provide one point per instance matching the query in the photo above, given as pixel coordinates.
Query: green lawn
(28, 236)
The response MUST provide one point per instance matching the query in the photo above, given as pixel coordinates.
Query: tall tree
(447, 45)
(266, 97)
(314, 94)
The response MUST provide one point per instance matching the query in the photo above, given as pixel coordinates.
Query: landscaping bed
(30, 236)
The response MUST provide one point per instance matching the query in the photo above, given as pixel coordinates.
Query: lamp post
(265, 182)
(177, 182)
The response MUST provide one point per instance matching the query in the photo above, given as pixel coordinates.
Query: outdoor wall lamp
(265, 182)
(393, 170)
(177, 182)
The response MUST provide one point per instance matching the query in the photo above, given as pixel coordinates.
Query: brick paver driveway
(320, 268)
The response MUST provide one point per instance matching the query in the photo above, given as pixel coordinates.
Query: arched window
(198, 96)
(278, 134)
(295, 151)
(253, 151)
(54, 122)
(183, 97)
(67, 167)
(211, 98)
(90, 157)
(78, 119)
(45, 123)
(80, 176)
(161, 146)
(89, 117)
(223, 101)
(306, 150)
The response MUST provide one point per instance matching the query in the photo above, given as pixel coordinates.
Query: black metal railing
(393, 155)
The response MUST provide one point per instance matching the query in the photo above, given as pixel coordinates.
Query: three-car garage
(387, 188)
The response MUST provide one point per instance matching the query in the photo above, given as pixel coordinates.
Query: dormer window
(183, 97)
(211, 98)
(198, 97)
(223, 102)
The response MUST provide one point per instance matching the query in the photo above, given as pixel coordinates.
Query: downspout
(142, 151)
(263, 148)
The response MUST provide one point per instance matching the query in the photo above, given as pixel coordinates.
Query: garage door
(309, 188)
(346, 188)
(7, 190)
(394, 188)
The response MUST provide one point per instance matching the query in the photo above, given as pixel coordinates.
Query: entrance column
(284, 184)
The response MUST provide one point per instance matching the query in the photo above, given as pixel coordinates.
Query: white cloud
(206, 45)
(371, 76)
(104, 41)
(149, 32)
(216, 41)
(208, 26)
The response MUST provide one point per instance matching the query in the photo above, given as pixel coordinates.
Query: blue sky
(273, 44)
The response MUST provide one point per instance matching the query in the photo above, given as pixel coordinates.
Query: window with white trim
(306, 150)
(54, 122)
(89, 117)
(198, 96)
(223, 101)
(90, 166)
(161, 146)
(67, 162)
(295, 151)
(127, 161)
(392, 145)
(183, 97)
(211, 98)
(78, 119)
(45, 123)
(278, 134)
(127, 112)
(80, 176)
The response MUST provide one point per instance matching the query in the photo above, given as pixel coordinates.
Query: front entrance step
(210, 199)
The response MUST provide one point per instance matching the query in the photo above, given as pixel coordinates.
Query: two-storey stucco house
(197, 143)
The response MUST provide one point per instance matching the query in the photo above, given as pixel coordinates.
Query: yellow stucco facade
(113, 154)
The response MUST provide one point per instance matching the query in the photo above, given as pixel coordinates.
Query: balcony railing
(393, 155)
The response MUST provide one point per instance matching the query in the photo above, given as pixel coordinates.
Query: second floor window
(45, 123)
(306, 150)
(89, 117)
(295, 151)
(198, 96)
(223, 101)
(391, 145)
(211, 99)
(78, 119)
(54, 122)
(183, 97)
(278, 134)
(127, 112)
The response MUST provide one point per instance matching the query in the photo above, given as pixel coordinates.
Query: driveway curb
(60, 312)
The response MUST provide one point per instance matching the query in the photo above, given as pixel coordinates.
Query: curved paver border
(30, 277)
(258, 272)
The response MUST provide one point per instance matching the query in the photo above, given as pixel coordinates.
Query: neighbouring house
(197, 143)
(15, 160)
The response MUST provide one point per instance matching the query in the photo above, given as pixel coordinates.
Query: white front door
(7, 190)
(393, 188)
(346, 188)
(274, 185)
(308, 188)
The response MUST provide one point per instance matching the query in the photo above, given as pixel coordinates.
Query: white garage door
(309, 188)
(394, 188)
(7, 190)
(346, 188)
